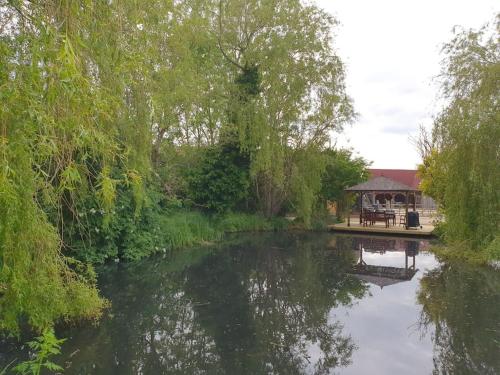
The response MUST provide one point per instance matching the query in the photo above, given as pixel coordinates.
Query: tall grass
(186, 229)
(183, 228)
(240, 222)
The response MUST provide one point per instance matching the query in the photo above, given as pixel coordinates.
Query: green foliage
(129, 233)
(463, 252)
(342, 170)
(171, 231)
(32, 269)
(54, 127)
(159, 228)
(492, 251)
(462, 170)
(101, 235)
(221, 182)
(439, 229)
(284, 53)
(44, 347)
(249, 81)
(432, 176)
(180, 229)
(103, 108)
(307, 168)
(240, 222)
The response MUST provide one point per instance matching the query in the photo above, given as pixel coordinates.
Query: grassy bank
(188, 228)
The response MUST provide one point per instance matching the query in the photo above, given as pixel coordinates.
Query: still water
(292, 303)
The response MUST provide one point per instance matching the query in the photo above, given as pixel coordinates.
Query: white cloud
(392, 52)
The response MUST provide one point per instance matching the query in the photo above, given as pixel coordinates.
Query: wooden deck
(379, 228)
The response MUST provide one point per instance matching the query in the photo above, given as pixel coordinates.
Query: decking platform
(379, 228)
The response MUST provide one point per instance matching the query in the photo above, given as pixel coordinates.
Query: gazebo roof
(405, 176)
(381, 183)
(382, 275)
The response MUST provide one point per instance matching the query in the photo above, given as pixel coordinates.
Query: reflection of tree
(463, 303)
(152, 330)
(268, 307)
(255, 308)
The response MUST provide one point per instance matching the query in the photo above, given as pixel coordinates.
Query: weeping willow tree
(65, 75)
(293, 87)
(86, 87)
(462, 168)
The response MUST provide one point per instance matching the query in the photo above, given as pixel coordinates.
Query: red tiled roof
(405, 176)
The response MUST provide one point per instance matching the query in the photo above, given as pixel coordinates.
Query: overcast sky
(391, 49)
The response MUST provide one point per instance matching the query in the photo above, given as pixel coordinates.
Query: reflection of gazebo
(384, 275)
(383, 244)
(382, 185)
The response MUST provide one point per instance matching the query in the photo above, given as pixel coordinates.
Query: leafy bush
(172, 231)
(44, 347)
(98, 235)
(180, 229)
(160, 229)
(221, 181)
(342, 170)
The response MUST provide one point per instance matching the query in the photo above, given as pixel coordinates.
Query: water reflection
(292, 304)
(253, 308)
(461, 305)
(385, 275)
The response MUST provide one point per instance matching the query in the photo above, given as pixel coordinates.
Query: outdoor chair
(402, 220)
(380, 215)
(391, 216)
(367, 217)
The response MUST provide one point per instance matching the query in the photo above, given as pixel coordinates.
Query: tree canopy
(104, 104)
(461, 169)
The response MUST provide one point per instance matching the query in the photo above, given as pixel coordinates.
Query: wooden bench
(371, 217)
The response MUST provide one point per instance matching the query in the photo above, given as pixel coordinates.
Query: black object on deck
(413, 219)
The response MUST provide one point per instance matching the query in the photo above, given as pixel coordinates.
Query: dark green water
(291, 304)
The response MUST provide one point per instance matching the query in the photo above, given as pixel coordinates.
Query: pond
(291, 303)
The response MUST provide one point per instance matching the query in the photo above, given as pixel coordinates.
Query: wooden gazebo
(382, 184)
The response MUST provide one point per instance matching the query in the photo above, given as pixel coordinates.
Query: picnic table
(370, 217)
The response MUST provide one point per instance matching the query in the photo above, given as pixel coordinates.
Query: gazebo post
(349, 209)
(361, 207)
(406, 211)
(414, 202)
